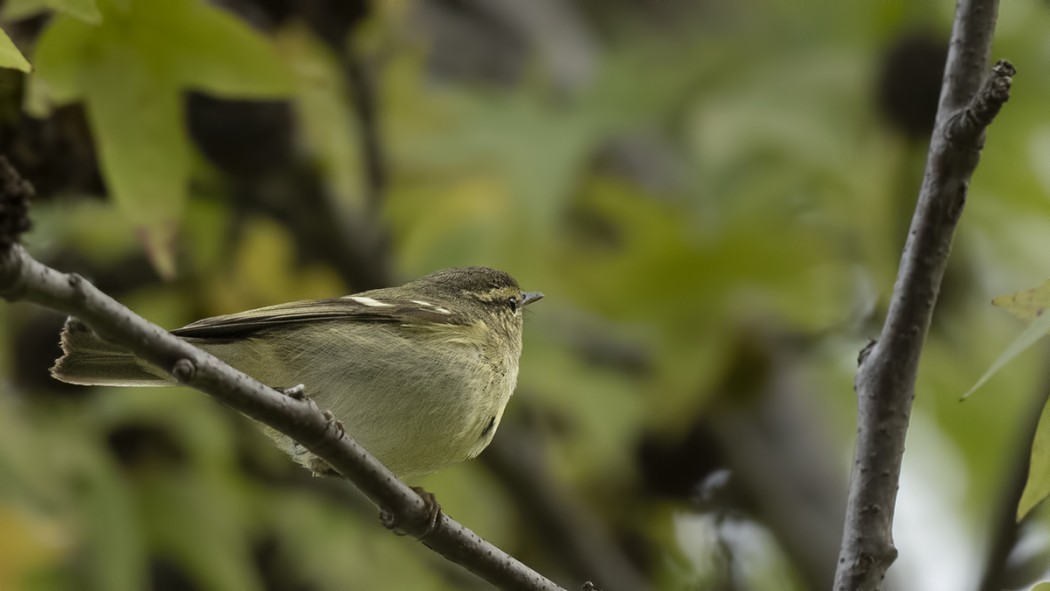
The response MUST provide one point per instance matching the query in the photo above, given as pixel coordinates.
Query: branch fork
(969, 124)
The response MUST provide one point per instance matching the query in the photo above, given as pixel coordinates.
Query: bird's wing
(361, 309)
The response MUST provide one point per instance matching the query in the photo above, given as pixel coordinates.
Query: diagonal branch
(885, 381)
(24, 278)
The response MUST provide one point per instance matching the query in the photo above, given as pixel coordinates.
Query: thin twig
(24, 278)
(885, 381)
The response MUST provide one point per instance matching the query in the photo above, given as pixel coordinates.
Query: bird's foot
(334, 422)
(296, 392)
(433, 508)
(316, 465)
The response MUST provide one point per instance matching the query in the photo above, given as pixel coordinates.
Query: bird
(418, 374)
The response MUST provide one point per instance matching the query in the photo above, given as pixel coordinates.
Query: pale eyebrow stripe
(370, 302)
(486, 296)
(422, 303)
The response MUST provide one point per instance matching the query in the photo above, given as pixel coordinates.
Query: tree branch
(885, 381)
(24, 278)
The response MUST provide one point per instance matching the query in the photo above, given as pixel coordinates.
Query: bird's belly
(415, 418)
(424, 428)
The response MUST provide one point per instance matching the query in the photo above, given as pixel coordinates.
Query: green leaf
(10, 57)
(144, 154)
(131, 70)
(60, 55)
(85, 10)
(1038, 486)
(14, 10)
(214, 52)
(1026, 339)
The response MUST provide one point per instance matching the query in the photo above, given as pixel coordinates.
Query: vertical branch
(885, 381)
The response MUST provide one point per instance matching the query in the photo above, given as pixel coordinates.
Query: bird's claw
(296, 392)
(334, 422)
(433, 508)
(317, 466)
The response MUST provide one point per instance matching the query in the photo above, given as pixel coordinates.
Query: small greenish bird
(418, 374)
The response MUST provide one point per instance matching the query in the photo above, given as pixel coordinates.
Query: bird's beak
(528, 297)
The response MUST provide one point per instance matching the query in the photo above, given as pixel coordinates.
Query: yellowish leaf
(1026, 305)
(1038, 486)
(29, 542)
(85, 10)
(1029, 307)
(10, 57)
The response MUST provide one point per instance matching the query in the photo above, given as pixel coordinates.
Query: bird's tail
(88, 360)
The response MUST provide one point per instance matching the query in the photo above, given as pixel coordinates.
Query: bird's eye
(513, 302)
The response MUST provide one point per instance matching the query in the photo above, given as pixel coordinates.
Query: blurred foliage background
(713, 195)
